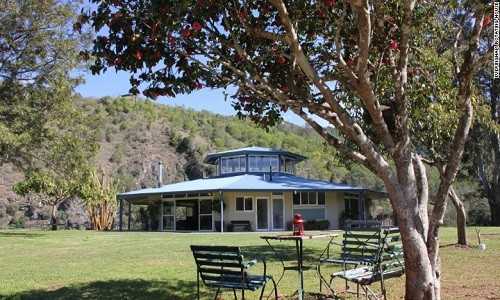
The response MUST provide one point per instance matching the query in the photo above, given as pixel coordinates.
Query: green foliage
(38, 54)
(479, 214)
(311, 225)
(12, 208)
(99, 194)
(18, 220)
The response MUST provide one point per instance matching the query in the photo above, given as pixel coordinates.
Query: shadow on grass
(116, 289)
(20, 234)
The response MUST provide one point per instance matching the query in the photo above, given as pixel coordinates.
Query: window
(244, 203)
(311, 213)
(232, 164)
(287, 165)
(351, 205)
(309, 198)
(261, 163)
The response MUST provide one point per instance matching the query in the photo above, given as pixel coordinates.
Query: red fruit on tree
(321, 15)
(196, 25)
(285, 88)
(416, 71)
(118, 60)
(486, 22)
(171, 39)
(393, 45)
(138, 55)
(351, 62)
(198, 86)
(329, 3)
(186, 32)
(278, 22)
(281, 59)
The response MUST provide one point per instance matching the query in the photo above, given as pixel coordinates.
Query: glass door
(262, 214)
(278, 216)
(168, 215)
(206, 215)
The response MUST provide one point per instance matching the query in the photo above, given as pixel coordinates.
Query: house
(253, 184)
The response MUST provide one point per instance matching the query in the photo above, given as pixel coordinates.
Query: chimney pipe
(160, 174)
(270, 173)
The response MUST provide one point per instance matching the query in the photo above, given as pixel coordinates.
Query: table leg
(300, 259)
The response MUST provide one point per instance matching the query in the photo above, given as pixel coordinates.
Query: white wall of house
(334, 205)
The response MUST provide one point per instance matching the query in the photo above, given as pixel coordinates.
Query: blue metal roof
(246, 182)
(212, 158)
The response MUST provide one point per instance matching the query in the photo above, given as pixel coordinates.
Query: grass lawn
(152, 265)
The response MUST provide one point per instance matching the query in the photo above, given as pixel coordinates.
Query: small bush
(311, 225)
(12, 208)
(45, 213)
(479, 213)
(18, 221)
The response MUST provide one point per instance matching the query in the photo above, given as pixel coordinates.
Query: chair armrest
(253, 262)
(372, 245)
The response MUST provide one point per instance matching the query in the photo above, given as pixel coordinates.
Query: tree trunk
(420, 281)
(407, 197)
(53, 219)
(495, 213)
(461, 217)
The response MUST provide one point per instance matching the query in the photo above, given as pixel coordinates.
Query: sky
(115, 84)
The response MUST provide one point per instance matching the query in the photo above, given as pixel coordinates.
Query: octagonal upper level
(254, 160)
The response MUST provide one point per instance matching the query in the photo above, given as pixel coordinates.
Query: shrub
(18, 221)
(45, 212)
(479, 213)
(12, 208)
(311, 225)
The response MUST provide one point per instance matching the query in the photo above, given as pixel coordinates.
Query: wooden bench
(370, 253)
(223, 267)
(243, 224)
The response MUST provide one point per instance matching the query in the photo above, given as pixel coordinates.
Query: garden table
(298, 239)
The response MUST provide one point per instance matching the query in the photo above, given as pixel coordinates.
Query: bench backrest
(219, 263)
(361, 242)
(374, 245)
(391, 257)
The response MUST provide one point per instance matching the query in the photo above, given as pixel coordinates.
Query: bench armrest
(253, 262)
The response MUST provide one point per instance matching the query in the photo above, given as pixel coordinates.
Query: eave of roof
(212, 158)
(246, 183)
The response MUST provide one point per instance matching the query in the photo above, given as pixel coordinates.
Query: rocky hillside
(138, 134)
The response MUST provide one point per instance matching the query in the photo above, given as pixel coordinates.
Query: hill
(137, 134)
